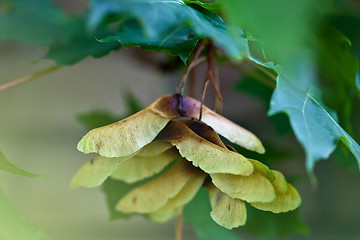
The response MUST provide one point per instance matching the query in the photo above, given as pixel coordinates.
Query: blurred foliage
(45, 24)
(262, 92)
(313, 60)
(338, 69)
(13, 225)
(36, 22)
(7, 166)
(275, 225)
(280, 27)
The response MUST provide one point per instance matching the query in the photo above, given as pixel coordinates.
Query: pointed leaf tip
(8, 166)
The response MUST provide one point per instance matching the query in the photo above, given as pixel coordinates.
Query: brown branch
(23, 80)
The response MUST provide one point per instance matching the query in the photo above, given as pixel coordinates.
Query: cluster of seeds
(166, 133)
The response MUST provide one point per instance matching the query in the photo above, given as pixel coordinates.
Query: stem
(196, 61)
(216, 83)
(209, 75)
(179, 227)
(203, 97)
(28, 78)
(181, 84)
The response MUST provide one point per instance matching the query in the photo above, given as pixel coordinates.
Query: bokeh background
(39, 132)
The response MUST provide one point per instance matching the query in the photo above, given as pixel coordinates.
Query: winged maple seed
(143, 144)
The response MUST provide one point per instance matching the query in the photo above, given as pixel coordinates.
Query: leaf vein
(306, 122)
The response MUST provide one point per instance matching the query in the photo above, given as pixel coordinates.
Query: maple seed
(141, 128)
(165, 133)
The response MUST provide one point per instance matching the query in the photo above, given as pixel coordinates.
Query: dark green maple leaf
(315, 126)
(80, 45)
(181, 41)
(214, 7)
(170, 25)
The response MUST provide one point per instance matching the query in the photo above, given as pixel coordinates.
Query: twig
(28, 78)
(206, 83)
(196, 61)
(209, 76)
(216, 83)
(179, 227)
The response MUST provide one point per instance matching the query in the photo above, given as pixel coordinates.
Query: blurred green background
(39, 132)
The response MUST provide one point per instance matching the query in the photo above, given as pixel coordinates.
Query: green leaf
(167, 25)
(181, 41)
(314, 125)
(7, 166)
(214, 7)
(79, 48)
(41, 22)
(274, 225)
(13, 225)
(197, 214)
(80, 44)
(34, 21)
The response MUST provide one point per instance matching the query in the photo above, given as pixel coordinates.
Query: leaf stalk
(29, 78)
